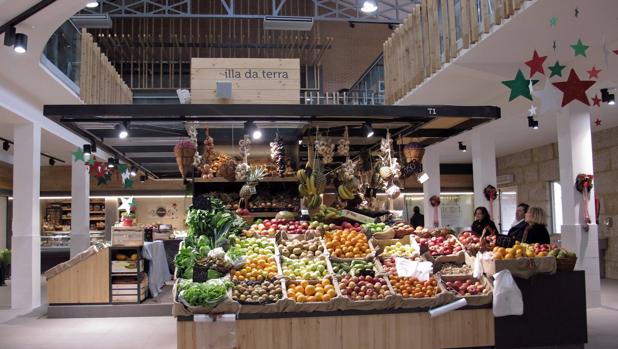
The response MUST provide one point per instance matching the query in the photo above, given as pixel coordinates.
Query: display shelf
(97, 212)
(137, 289)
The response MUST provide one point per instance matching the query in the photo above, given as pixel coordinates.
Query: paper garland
(101, 171)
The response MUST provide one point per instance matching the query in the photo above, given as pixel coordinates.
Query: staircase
(435, 33)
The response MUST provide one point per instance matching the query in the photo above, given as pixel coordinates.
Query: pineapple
(320, 177)
(254, 176)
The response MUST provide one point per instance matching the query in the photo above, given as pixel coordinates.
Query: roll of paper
(447, 307)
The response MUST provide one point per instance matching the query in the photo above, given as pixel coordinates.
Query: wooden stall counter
(349, 329)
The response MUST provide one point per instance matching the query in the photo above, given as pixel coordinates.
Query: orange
(319, 289)
(319, 296)
(326, 298)
(331, 293)
(326, 282)
(311, 299)
(299, 289)
(301, 298)
(304, 283)
(310, 290)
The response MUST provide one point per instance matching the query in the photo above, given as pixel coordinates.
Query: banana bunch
(326, 213)
(309, 191)
(345, 193)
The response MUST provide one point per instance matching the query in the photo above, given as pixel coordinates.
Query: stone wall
(533, 169)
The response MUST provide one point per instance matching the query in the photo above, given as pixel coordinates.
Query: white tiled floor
(35, 331)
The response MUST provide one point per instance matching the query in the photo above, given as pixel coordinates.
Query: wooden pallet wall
(427, 39)
(99, 82)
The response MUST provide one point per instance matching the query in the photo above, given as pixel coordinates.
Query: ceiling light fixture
(462, 147)
(369, 6)
(607, 97)
(300, 142)
(133, 173)
(111, 163)
(143, 178)
(122, 130)
(21, 43)
(252, 130)
(534, 124)
(6, 145)
(367, 129)
(87, 148)
(92, 4)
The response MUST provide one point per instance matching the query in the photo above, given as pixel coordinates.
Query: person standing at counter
(536, 231)
(417, 220)
(517, 229)
(483, 223)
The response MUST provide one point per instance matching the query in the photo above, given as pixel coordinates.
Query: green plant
(5, 256)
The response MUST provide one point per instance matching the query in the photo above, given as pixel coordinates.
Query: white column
(3, 221)
(26, 241)
(431, 166)
(575, 157)
(80, 207)
(484, 168)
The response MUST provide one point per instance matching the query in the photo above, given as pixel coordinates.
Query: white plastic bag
(507, 296)
(477, 268)
(408, 268)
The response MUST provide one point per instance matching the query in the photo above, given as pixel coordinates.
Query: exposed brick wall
(353, 50)
(533, 169)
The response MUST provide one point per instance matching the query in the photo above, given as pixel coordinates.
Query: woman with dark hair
(483, 223)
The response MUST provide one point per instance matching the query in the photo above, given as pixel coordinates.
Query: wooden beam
(485, 15)
(465, 22)
(452, 29)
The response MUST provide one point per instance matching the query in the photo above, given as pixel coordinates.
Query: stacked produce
(255, 246)
(471, 242)
(399, 250)
(402, 229)
(257, 268)
(327, 213)
(522, 250)
(349, 242)
(266, 292)
(304, 269)
(354, 268)
(409, 287)
(298, 249)
(305, 291)
(467, 287)
(375, 227)
(453, 269)
(366, 288)
(309, 188)
(443, 245)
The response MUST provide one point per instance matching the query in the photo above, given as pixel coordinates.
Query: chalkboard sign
(200, 273)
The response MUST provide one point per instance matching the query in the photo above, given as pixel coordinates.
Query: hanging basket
(414, 151)
(184, 160)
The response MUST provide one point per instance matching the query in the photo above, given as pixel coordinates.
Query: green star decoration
(520, 86)
(78, 154)
(122, 168)
(553, 21)
(128, 183)
(556, 69)
(90, 162)
(101, 180)
(580, 48)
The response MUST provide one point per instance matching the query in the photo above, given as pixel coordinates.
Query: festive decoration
(184, 151)
(90, 161)
(580, 48)
(555, 46)
(574, 89)
(277, 154)
(556, 69)
(519, 86)
(78, 154)
(434, 201)
(127, 204)
(583, 184)
(532, 110)
(536, 64)
(553, 21)
(491, 194)
(593, 73)
(549, 96)
(577, 12)
(597, 122)
(596, 101)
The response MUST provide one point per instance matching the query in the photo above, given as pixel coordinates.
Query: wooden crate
(127, 266)
(127, 236)
(125, 290)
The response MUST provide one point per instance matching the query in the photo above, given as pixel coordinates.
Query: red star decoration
(94, 169)
(596, 101)
(616, 52)
(536, 64)
(597, 122)
(574, 89)
(593, 73)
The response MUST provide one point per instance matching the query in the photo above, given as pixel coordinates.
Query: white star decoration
(532, 110)
(125, 175)
(126, 204)
(550, 98)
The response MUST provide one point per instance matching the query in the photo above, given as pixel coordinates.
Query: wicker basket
(414, 151)
(566, 264)
(184, 160)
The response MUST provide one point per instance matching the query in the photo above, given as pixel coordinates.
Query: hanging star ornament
(580, 48)
(577, 12)
(555, 45)
(78, 154)
(574, 89)
(121, 168)
(553, 21)
(95, 168)
(532, 110)
(556, 69)
(519, 86)
(549, 97)
(593, 73)
(536, 64)
(128, 183)
(597, 122)
(596, 101)
(126, 204)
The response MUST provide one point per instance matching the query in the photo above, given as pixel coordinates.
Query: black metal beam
(25, 15)
(269, 112)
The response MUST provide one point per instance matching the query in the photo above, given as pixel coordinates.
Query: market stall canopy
(154, 129)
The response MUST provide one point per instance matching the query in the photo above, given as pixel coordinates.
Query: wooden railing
(433, 35)
(99, 82)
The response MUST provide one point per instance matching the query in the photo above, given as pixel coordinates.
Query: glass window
(556, 207)
(508, 206)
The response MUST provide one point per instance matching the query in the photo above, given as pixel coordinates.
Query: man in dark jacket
(417, 218)
(517, 229)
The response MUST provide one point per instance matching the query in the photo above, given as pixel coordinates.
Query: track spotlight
(300, 142)
(87, 150)
(52, 162)
(21, 43)
(6, 146)
(352, 24)
(462, 147)
(369, 6)
(122, 130)
(607, 97)
(133, 173)
(252, 130)
(93, 147)
(534, 124)
(92, 4)
(111, 163)
(367, 129)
